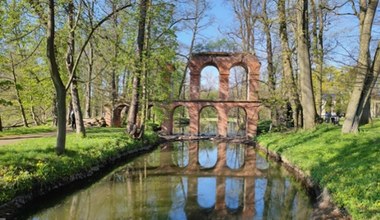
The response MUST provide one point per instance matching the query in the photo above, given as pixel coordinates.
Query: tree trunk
(132, 126)
(365, 72)
(89, 82)
(270, 66)
(1, 125)
(287, 65)
(307, 94)
(80, 129)
(57, 81)
(18, 96)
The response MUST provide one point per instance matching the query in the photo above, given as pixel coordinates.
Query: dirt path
(18, 138)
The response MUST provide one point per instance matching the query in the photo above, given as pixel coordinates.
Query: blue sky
(341, 34)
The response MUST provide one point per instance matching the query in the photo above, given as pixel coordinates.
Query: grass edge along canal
(347, 165)
(33, 164)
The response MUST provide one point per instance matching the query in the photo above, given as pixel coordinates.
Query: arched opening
(180, 153)
(237, 122)
(206, 193)
(234, 194)
(235, 156)
(181, 120)
(207, 154)
(209, 88)
(208, 121)
(238, 83)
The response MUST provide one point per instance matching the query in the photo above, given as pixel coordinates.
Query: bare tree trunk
(307, 94)
(89, 82)
(132, 126)
(365, 72)
(18, 96)
(287, 65)
(80, 129)
(57, 81)
(270, 67)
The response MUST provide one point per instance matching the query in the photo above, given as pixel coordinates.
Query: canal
(188, 180)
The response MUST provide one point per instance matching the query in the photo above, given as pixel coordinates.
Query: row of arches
(208, 121)
(210, 78)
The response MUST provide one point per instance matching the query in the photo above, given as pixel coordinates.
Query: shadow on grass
(353, 177)
(302, 137)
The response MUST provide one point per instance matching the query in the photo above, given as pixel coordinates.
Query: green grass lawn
(348, 165)
(24, 130)
(32, 162)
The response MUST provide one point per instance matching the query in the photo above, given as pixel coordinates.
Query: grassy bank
(347, 165)
(34, 162)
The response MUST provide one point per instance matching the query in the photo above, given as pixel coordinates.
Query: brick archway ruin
(223, 62)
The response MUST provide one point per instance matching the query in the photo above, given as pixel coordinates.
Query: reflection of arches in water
(181, 120)
(208, 121)
(179, 196)
(206, 193)
(237, 122)
(234, 195)
(207, 154)
(235, 155)
(180, 153)
(260, 189)
(261, 162)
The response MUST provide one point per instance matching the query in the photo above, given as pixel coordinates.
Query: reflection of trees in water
(180, 154)
(235, 155)
(207, 154)
(234, 194)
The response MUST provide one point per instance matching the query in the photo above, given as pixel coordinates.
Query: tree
(287, 67)
(307, 93)
(132, 126)
(366, 71)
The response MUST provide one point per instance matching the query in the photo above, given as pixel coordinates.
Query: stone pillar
(253, 87)
(222, 119)
(223, 84)
(194, 118)
(195, 79)
(167, 125)
(252, 118)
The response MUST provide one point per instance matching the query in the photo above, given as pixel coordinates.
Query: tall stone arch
(223, 62)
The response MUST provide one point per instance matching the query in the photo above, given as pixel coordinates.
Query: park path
(18, 138)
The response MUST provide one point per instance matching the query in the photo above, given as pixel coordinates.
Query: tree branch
(88, 40)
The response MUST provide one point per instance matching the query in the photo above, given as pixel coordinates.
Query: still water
(189, 180)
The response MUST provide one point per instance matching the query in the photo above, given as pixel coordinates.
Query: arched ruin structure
(223, 62)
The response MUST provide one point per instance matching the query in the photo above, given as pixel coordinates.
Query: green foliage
(263, 126)
(35, 162)
(347, 165)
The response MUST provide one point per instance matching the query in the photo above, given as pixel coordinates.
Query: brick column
(222, 120)
(195, 79)
(223, 84)
(194, 119)
(252, 118)
(253, 75)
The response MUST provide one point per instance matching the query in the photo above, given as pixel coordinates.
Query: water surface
(189, 180)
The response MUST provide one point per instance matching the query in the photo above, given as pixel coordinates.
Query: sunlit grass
(34, 162)
(348, 165)
(25, 130)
